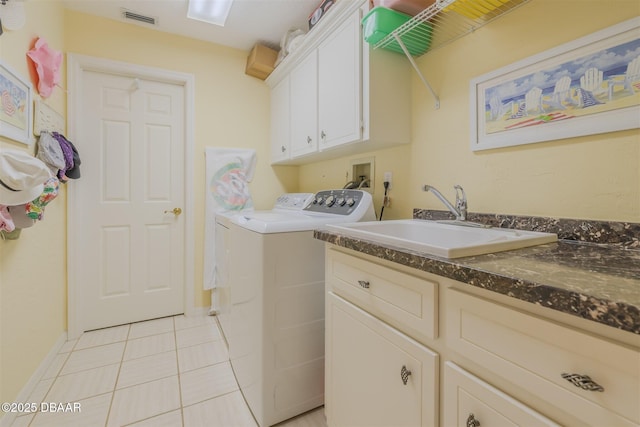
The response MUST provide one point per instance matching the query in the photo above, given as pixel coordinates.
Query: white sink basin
(442, 239)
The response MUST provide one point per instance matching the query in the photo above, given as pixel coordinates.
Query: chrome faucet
(460, 209)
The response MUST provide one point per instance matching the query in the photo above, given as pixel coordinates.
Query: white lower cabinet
(596, 380)
(470, 402)
(406, 302)
(375, 375)
(503, 364)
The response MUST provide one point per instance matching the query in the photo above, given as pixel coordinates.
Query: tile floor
(169, 372)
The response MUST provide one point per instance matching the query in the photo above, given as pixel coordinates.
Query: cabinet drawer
(404, 301)
(536, 353)
(468, 399)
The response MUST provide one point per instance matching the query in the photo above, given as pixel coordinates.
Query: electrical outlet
(387, 178)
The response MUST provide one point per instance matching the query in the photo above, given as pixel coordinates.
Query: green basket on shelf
(382, 21)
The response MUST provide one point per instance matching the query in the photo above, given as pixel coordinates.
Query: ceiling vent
(134, 16)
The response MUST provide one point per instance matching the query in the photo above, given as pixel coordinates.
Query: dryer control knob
(330, 201)
(341, 201)
(351, 201)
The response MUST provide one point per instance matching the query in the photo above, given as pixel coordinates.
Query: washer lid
(280, 222)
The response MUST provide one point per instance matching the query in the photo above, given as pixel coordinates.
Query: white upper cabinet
(304, 106)
(344, 97)
(280, 121)
(340, 86)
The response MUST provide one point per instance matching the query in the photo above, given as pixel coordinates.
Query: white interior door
(129, 242)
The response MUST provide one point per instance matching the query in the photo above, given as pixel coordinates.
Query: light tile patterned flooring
(171, 372)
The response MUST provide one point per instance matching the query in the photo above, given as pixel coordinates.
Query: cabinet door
(280, 121)
(304, 106)
(469, 401)
(340, 85)
(375, 375)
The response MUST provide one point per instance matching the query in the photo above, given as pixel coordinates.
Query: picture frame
(588, 86)
(16, 106)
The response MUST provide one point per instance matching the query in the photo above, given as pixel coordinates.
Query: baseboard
(30, 386)
(197, 311)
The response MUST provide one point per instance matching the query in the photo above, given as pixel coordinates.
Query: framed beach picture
(588, 86)
(16, 106)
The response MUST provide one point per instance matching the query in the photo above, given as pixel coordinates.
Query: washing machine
(286, 203)
(275, 324)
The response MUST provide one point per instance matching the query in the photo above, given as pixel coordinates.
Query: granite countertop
(592, 272)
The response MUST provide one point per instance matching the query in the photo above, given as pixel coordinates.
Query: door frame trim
(76, 65)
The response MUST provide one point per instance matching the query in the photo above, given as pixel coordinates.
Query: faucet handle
(461, 201)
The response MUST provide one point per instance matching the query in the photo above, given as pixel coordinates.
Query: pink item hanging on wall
(47, 62)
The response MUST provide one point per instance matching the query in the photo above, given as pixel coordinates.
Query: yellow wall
(32, 268)
(231, 108)
(333, 174)
(593, 177)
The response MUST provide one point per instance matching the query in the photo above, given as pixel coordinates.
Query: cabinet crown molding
(335, 16)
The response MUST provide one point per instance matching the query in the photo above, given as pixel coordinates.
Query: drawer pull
(364, 284)
(583, 381)
(404, 374)
(472, 422)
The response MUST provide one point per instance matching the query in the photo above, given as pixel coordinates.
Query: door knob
(175, 211)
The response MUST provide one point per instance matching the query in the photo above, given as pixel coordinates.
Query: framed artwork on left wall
(16, 106)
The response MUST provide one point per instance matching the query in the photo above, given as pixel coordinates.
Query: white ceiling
(249, 22)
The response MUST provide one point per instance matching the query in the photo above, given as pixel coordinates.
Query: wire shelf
(447, 20)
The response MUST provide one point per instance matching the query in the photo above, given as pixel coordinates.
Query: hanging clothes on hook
(19, 216)
(62, 157)
(35, 208)
(74, 172)
(24, 181)
(50, 153)
(47, 62)
(71, 170)
(22, 177)
(6, 222)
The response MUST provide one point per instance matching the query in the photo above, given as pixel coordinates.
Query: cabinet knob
(323, 135)
(309, 140)
(583, 381)
(472, 422)
(283, 148)
(404, 374)
(363, 283)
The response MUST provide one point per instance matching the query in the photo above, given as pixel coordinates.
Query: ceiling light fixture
(211, 11)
